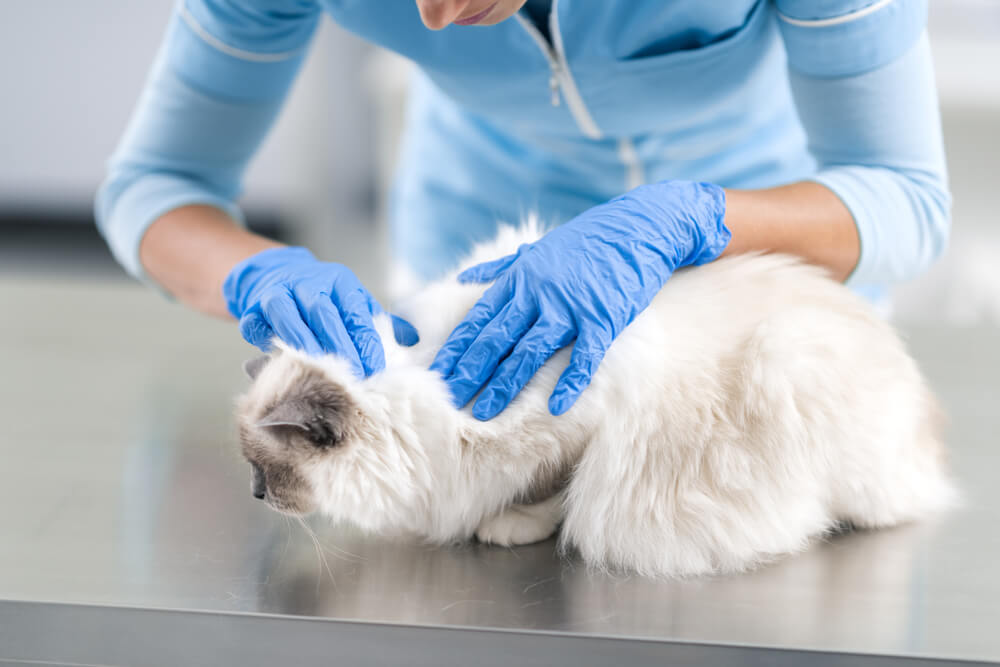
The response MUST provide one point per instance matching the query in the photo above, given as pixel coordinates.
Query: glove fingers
(355, 310)
(530, 353)
(404, 332)
(486, 271)
(327, 325)
(374, 307)
(468, 329)
(588, 351)
(282, 313)
(255, 329)
(494, 342)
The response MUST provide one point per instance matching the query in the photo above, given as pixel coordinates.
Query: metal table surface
(128, 534)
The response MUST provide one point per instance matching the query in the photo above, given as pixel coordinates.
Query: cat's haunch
(755, 405)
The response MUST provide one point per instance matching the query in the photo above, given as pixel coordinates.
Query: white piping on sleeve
(836, 20)
(634, 176)
(212, 41)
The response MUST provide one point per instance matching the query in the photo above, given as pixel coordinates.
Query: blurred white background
(71, 72)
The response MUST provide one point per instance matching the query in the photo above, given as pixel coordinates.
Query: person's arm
(167, 206)
(189, 251)
(877, 211)
(862, 78)
(803, 219)
(218, 82)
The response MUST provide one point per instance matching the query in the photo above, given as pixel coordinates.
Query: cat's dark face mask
(282, 439)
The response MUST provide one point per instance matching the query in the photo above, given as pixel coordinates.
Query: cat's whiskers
(320, 555)
(343, 554)
(288, 538)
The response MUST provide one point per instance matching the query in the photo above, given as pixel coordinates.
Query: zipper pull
(554, 89)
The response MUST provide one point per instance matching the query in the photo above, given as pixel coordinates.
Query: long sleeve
(217, 84)
(862, 79)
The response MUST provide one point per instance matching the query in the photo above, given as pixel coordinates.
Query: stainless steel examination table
(128, 535)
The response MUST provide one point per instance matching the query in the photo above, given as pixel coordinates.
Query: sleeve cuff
(141, 204)
(890, 252)
(844, 184)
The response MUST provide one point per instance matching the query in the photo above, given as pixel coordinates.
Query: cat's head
(292, 419)
(318, 438)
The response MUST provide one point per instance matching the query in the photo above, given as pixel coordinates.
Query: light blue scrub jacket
(743, 93)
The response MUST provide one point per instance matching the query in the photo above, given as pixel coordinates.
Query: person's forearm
(804, 219)
(189, 251)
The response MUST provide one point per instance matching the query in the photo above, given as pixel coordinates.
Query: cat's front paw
(519, 524)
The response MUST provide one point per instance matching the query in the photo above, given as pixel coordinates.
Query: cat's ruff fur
(754, 405)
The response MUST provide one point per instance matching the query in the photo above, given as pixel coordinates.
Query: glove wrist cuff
(716, 234)
(703, 206)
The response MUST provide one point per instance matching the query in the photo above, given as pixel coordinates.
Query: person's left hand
(584, 280)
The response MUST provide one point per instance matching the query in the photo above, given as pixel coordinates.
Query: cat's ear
(253, 367)
(321, 423)
(293, 413)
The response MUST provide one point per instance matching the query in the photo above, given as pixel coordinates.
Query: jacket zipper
(561, 80)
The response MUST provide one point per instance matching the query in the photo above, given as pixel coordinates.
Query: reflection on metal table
(128, 534)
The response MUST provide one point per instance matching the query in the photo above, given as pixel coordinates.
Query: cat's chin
(295, 512)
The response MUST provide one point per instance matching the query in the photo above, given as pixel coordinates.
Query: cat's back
(710, 310)
(745, 289)
(754, 325)
(702, 314)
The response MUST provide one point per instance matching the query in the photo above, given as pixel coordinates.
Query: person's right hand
(318, 307)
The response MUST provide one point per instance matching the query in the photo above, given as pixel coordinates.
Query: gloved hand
(318, 307)
(585, 280)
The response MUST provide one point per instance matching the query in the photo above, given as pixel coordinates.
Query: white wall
(71, 70)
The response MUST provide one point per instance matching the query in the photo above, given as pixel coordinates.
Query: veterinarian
(665, 133)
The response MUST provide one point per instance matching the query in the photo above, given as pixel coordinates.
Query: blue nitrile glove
(585, 280)
(318, 307)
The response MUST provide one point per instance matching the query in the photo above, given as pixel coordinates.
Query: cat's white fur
(754, 405)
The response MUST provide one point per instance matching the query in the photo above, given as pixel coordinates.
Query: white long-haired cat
(755, 404)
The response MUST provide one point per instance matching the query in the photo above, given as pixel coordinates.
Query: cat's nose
(257, 484)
